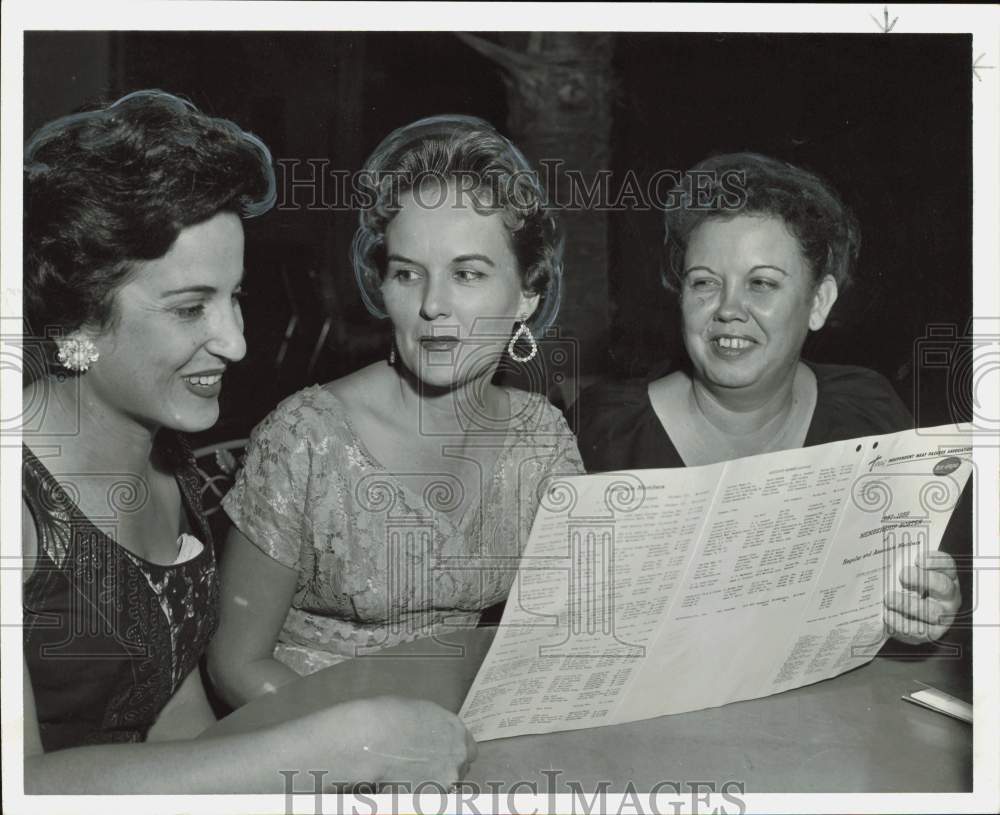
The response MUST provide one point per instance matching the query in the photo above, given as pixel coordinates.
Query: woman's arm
(371, 740)
(258, 583)
(257, 592)
(186, 715)
(380, 739)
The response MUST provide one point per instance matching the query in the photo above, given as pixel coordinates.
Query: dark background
(886, 119)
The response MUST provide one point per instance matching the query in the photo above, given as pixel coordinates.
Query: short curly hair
(468, 151)
(726, 186)
(108, 187)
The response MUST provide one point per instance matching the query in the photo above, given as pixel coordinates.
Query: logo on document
(947, 465)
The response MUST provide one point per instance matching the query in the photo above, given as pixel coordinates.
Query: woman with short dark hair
(751, 184)
(133, 250)
(757, 251)
(108, 187)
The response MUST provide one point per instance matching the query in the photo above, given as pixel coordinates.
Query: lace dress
(110, 637)
(380, 558)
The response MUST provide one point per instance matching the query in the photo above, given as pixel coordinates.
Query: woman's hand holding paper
(929, 600)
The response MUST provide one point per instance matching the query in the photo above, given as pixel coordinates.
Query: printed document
(648, 592)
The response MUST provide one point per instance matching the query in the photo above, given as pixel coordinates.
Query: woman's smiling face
(748, 301)
(452, 286)
(177, 325)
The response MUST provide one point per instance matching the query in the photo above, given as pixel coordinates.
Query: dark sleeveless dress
(110, 637)
(619, 430)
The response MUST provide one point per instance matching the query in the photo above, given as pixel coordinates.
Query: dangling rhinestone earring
(77, 353)
(525, 332)
(392, 349)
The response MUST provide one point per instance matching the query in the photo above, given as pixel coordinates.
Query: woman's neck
(736, 413)
(465, 408)
(89, 436)
(705, 429)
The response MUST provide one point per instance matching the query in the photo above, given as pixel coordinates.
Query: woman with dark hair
(758, 258)
(133, 262)
(393, 503)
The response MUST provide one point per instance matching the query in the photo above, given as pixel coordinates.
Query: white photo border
(980, 21)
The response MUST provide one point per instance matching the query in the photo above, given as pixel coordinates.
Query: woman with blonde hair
(393, 504)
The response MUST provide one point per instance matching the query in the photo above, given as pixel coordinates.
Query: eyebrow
(201, 289)
(752, 269)
(769, 266)
(466, 258)
(401, 259)
(460, 259)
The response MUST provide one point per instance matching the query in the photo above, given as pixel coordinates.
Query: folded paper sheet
(648, 592)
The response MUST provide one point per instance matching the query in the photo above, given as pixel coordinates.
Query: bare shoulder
(311, 409)
(363, 391)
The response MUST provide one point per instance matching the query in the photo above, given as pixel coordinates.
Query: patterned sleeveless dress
(108, 636)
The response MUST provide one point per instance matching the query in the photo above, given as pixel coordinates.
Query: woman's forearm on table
(246, 763)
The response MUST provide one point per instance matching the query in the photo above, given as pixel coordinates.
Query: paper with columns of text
(648, 592)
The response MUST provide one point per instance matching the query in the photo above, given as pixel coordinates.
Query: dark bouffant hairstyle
(108, 187)
(470, 153)
(751, 184)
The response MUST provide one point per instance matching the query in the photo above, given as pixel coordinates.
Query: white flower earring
(523, 332)
(77, 353)
(392, 348)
